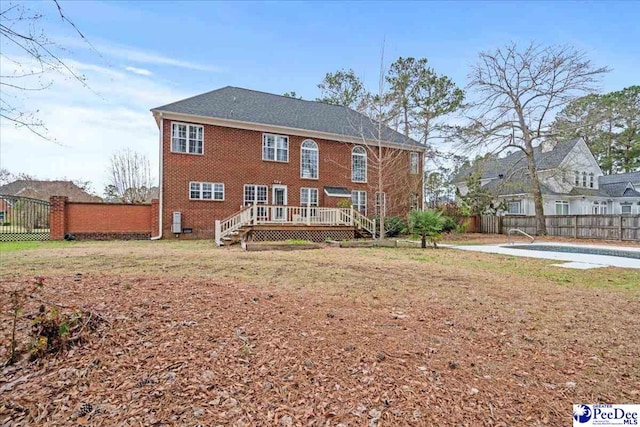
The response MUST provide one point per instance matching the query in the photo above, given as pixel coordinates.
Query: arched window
(358, 164)
(309, 159)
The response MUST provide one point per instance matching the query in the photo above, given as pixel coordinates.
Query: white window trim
(562, 203)
(185, 152)
(309, 190)
(275, 148)
(212, 199)
(366, 163)
(624, 205)
(244, 194)
(413, 155)
(520, 210)
(317, 150)
(364, 199)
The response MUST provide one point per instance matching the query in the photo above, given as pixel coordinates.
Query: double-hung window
(309, 201)
(584, 179)
(187, 138)
(591, 180)
(358, 164)
(514, 207)
(309, 160)
(577, 178)
(206, 191)
(381, 203)
(562, 207)
(413, 201)
(359, 201)
(625, 209)
(414, 163)
(275, 147)
(257, 195)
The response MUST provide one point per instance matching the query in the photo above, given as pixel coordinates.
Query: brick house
(282, 161)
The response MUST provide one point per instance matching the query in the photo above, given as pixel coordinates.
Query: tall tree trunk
(541, 226)
(406, 119)
(423, 241)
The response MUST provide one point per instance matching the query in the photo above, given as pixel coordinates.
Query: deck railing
(291, 215)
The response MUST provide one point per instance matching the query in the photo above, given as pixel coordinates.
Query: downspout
(159, 236)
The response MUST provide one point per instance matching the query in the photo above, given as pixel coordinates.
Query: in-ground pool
(578, 250)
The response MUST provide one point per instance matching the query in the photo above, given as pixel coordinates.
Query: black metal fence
(23, 218)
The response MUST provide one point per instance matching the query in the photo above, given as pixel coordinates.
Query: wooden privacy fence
(602, 227)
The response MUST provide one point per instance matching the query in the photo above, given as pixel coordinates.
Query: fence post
(57, 217)
(620, 229)
(575, 226)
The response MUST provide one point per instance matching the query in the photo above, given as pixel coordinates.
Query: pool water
(578, 250)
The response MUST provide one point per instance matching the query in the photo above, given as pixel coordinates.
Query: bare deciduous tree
(29, 56)
(517, 93)
(129, 177)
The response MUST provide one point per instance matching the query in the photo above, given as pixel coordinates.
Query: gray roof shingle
(512, 163)
(252, 106)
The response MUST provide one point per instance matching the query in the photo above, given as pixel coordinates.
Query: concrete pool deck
(574, 260)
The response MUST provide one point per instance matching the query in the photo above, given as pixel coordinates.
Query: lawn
(204, 335)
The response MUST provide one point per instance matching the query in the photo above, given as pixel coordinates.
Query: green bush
(393, 225)
(449, 224)
(6, 224)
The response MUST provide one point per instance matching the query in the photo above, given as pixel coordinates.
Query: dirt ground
(198, 335)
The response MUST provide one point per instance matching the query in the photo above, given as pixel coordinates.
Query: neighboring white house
(571, 181)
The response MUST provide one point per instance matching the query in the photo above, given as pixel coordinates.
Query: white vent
(176, 225)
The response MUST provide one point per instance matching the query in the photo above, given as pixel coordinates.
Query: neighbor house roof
(43, 190)
(245, 105)
(512, 163)
(621, 184)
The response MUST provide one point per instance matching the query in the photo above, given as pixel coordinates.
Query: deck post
(218, 232)
(353, 217)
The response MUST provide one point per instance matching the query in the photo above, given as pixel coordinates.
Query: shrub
(394, 225)
(6, 224)
(53, 331)
(344, 203)
(427, 225)
(448, 224)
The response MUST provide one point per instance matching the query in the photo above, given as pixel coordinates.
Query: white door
(279, 198)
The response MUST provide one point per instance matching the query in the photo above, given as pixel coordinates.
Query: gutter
(159, 236)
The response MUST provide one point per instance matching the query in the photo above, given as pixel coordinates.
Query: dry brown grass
(409, 336)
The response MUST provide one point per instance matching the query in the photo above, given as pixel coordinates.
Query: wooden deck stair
(236, 227)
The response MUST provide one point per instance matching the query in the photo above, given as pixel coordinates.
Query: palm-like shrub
(427, 225)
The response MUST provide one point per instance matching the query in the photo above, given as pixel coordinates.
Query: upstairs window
(577, 178)
(358, 164)
(591, 180)
(206, 191)
(584, 179)
(309, 160)
(275, 147)
(414, 163)
(186, 138)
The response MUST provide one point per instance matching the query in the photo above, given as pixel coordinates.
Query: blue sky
(152, 53)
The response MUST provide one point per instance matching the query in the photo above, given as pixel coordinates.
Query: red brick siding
(108, 218)
(234, 157)
(57, 217)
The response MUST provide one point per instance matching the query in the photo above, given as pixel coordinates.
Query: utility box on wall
(176, 224)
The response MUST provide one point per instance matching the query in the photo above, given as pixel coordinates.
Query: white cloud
(135, 55)
(87, 127)
(140, 71)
